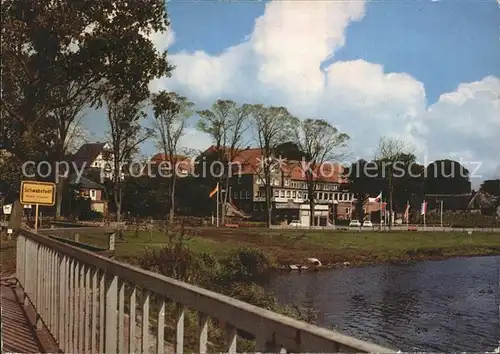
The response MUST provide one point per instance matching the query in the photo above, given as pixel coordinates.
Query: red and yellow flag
(215, 190)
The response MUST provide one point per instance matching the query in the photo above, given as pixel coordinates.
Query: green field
(292, 246)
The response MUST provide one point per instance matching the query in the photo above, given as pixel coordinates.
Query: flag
(423, 210)
(407, 212)
(377, 199)
(215, 190)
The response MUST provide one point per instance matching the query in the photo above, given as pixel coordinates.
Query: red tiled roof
(250, 160)
(184, 163)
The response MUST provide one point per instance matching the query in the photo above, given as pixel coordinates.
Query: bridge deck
(19, 333)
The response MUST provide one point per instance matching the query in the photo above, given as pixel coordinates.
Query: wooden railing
(84, 299)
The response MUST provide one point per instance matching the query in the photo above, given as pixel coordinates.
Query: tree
(408, 182)
(320, 142)
(272, 127)
(125, 136)
(51, 45)
(491, 186)
(447, 177)
(390, 153)
(67, 122)
(226, 123)
(171, 112)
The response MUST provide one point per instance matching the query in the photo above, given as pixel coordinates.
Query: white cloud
(194, 139)
(279, 64)
(161, 40)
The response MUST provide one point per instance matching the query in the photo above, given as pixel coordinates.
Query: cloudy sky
(425, 71)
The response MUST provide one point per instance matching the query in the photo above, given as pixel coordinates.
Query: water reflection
(450, 305)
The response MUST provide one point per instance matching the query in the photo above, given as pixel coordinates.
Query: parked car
(367, 223)
(354, 223)
(295, 223)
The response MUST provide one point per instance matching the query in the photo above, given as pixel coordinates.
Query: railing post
(102, 284)
(20, 253)
(88, 294)
(36, 296)
(93, 320)
(231, 339)
(27, 281)
(62, 302)
(131, 322)
(160, 345)
(71, 323)
(202, 333)
(179, 331)
(110, 326)
(145, 324)
(83, 315)
(121, 318)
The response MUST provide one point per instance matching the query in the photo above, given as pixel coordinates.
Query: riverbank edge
(420, 256)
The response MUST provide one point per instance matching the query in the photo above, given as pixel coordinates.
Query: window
(341, 197)
(92, 194)
(235, 195)
(248, 194)
(288, 194)
(282, 194)
(347, 211)
(255, 207)
(330, 196)
(276, 193)
(287, 183)
(294, 194)
(241, 195)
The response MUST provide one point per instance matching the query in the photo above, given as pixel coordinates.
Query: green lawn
(292, 246)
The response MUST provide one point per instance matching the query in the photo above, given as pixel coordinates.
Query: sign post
(38, 193)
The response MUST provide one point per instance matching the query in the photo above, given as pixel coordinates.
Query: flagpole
(217, 204)
(380, 207)
(441, 213)
(425, 212)
(407, 214)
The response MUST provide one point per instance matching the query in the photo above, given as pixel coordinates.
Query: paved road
(396, 228)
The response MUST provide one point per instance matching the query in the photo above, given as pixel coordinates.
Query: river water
(450, 305)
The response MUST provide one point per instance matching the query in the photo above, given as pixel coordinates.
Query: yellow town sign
(41, 193)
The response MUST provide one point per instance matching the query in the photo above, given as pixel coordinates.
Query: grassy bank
(293, 246)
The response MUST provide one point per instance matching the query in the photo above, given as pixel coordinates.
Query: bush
(246, 265)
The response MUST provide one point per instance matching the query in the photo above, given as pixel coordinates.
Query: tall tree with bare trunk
(272, 126)
(319, 142)
(125, 134)
(226, 122)
(390, 152)
(67, 121)
(171, 112)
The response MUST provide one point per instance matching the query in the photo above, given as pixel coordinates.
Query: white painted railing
(81, 298)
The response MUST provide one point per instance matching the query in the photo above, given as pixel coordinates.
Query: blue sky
(440, 43)
(426, 71)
